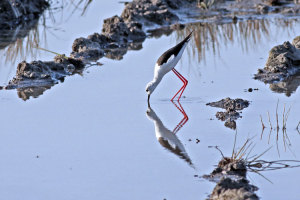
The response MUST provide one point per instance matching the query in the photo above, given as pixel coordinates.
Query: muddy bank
(153, 18)
(127, 32)
(32, 79)
(282, 67)
(161, 17)
(116, 38)
(233, 109)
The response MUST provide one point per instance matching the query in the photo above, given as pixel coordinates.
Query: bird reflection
(167, 138)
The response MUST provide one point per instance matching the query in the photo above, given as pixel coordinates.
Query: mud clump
(231, 166)
(127, 32)
(228, 189)
(282, 68)
(232, 106)
(151, 11)
(283, 61)
(116, 38)
(32, 79)
(230, 176)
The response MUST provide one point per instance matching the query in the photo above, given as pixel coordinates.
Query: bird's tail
(188, 37)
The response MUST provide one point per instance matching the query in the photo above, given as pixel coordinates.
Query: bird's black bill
(148, 100)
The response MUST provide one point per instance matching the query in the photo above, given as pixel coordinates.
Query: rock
(231, 114)
(155, 11)
(38, 73)
(232, 183)
(283, 61)
(230, 104)
(228, 189)
(86, 49)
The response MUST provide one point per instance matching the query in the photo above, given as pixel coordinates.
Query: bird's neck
(156, 80)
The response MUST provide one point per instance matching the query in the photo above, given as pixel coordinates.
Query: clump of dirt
(283, 61)
(126, 32)
(282, 67)
(116, 38)
(230, 166)
(31, 76)
(232, 106)
(228, 189)
(232, 183)
(152, 11)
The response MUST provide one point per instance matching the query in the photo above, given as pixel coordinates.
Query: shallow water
(90, 137)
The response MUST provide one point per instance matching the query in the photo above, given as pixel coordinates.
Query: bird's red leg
(183, 121)
(185, 82)
(180, 77)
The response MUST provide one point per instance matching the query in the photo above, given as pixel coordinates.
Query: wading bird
(167, 62)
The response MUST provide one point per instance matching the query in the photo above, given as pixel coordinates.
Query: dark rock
(228, 189)
(230, 104)
(283, 61)
(231, 114)
(86, 49)
(155, 11)
(231, 179)
(32, 79)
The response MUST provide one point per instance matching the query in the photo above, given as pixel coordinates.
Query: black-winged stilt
(167, 62)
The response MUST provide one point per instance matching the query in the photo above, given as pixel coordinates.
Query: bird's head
(150, 88)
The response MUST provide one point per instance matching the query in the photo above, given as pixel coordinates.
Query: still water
(91, 137)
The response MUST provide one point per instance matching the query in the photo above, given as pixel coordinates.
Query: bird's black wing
(173, 51)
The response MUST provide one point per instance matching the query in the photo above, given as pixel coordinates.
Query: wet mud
(230, 175)
(32, 79)
(128, 31)
(153, 18)
(233, 109)
(282, 68)
(231, 181)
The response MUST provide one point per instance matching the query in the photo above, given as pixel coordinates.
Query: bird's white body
(161, 70)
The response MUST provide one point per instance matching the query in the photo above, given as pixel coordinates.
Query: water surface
(90, 138)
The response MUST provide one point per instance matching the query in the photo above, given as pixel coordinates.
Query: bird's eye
(147, 90)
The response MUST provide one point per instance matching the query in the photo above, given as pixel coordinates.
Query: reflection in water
(212, 36)
(277, 128)
(23, 40)
(35, 92)
(20, 41)
(230, 175)
(288, 86)
(167, 138)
